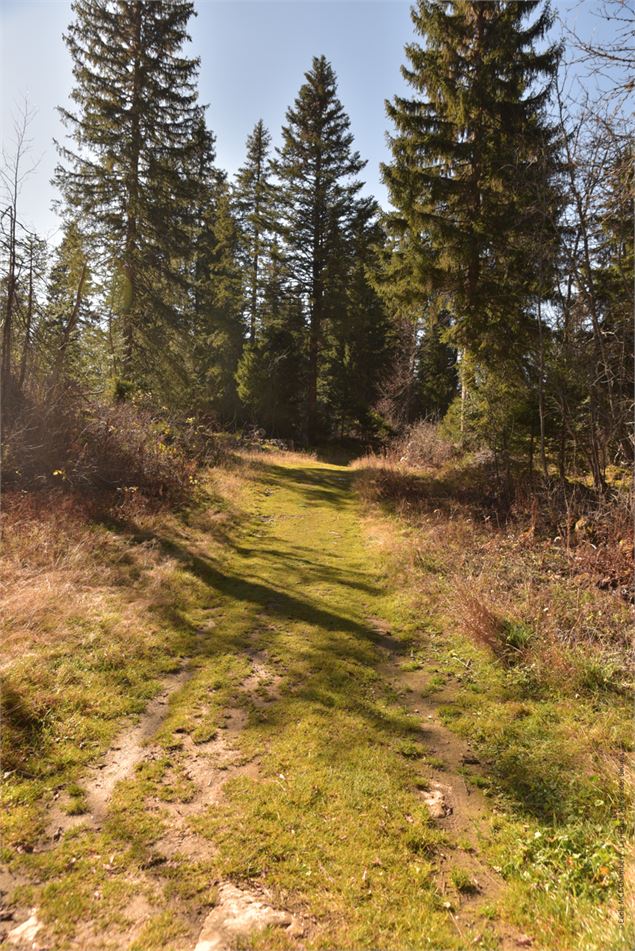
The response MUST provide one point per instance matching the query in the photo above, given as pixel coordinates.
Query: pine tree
(317, 171)
(436, 369)
(253, 203)
(132, 126)
(271, 375)
(616, 253)
(210, 183)
(68, 306)
(474, 165)
(358, 338)
(225, 329)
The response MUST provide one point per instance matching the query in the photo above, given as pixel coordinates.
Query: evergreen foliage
(271, 377)
(125, 171)
(475, 180)
(496, 293)
(69, 311)
(254, 210)
(318, 200)
(474, 163)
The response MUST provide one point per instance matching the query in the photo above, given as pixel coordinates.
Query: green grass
(463, 882)
(333, 826)
(551, 765)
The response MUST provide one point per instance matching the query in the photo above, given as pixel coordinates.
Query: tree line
(494, 294)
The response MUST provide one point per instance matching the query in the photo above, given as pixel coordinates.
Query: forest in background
(495, 296)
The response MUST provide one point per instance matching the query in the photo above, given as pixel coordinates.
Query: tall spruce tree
(357, 347)
(210, 185)
(271, 375)
(436, 369)
(474, 165)
(69, 302)
(225, 333)
(424, 371)
(253, 204)
(124, 173)
(318, 198)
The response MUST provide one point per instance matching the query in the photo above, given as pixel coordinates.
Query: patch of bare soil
(128, 750)
(207, 766)
(25, 934)
(239, 913)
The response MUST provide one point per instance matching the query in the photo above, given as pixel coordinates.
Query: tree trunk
(314, 348)
(541, 392)
(71, 324)
(316, 305)
(7, 329)
(29, 322)
(256, 263)
(132, 210)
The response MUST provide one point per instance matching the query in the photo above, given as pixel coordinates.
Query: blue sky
(253, 57)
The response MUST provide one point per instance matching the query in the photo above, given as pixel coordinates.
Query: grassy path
(298, 790)
(337, 823)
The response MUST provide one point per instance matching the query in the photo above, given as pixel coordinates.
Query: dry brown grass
(48, 568)
(478, 620)
(60, 572)
(71, 558)
(520, 594)
(257, 455)
(422, 445)
(78, 443)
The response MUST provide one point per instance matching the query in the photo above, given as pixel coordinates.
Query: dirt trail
(128, 750)
(455, 805)
(209, 766)
(239, 914)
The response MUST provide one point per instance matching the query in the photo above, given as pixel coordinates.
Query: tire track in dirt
(239, 913)
(128, 750)
(454, 806)
(208, 766)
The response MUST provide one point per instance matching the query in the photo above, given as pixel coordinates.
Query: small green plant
(76, 804)
(489, 912)
(517, 635)
(463, 882)
(76, 807)
(411, 750)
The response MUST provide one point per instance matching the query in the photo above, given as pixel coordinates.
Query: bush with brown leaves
(423, 446)
(89, 444)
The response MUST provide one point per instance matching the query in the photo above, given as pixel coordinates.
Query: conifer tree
(253, 204)
(318, 197)
(124, 172)
(358, 337)
(209, 184)
(437, 376)
(69, 307)
(30, 300)
(271, 375)
(225, 329)
(474, 164)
